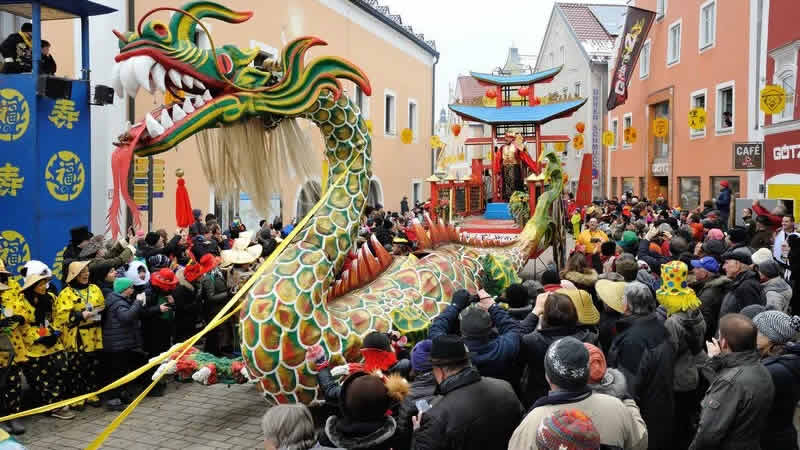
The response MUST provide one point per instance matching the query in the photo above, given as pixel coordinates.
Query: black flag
(637, 25)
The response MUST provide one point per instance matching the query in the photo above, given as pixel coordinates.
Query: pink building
(699, 53)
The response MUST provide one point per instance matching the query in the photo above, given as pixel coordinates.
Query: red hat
(597, 363)
(164, 279)
(724, 183)
(206, 264)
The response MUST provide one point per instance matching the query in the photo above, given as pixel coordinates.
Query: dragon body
(323, 289)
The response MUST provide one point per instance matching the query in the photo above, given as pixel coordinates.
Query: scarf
(563, 397)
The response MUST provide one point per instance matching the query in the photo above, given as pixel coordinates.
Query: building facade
(699, 53)
(580, 37)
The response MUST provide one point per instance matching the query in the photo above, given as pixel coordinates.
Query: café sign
(748, 156)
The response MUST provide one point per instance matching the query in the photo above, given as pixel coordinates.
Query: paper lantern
(491, 93)
(456, 129)
(580, 126)
(524, 91)
(407, 136)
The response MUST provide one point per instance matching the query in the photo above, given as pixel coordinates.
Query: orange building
(699, 53)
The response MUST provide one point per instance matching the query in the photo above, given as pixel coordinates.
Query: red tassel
(183, 206)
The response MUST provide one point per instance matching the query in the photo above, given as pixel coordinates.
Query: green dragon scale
(311, 294)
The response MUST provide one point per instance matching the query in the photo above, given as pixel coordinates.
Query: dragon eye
(160, 29)
(225, 63)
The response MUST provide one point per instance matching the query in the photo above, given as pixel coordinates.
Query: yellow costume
(69, 305)
(585, 239)
(9, 299)
(31, 330)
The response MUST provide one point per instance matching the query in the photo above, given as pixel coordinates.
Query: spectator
(761, 255)
(47, 66)
(651, 250)
(473, 412)
(288, 427)
(492, 355)
(17, 49)
(79, 238)
(579, 273)
(591, 237)
(642, 351)
(744, 288)
(14, 356)
(214, 296)
(611, 294)
(724, 201)
(567, 365)
(686, 330)
(773, 220)
(422, 388)
(777, 292)
(603, 379)
(188, 305)
(713, 248)
(158, 325)
(737, 404)
(551, 281)
(763, 238)
(629, 242)
(781, 356)
(404, 205)
(567, 429)
(710, 288)
(793, 271)
(787, 228)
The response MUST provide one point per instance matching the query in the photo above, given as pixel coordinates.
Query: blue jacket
(724, 201)
(122, 327)
(495, 356)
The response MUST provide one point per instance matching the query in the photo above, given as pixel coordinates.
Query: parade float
(323, 288)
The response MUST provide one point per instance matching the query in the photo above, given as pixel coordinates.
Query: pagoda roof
(55, 9)
(508, 115)
(513, 80)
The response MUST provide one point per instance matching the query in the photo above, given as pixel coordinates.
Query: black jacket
(742, 291)
(785, 372)
(422, 388)
(534, 346)
(473, 412)
(643, 353)
(122, 329)
(653, 259)
(146, 251)
(214, 293)
(710, 292)
(736, 405)
(188, 307)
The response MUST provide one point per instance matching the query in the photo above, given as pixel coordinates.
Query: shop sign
(748, 155)
(660, 167)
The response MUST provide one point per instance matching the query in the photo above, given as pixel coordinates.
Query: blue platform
(497, 211)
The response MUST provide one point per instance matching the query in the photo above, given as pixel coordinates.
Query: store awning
(517, 115)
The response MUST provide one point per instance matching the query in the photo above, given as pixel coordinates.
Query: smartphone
(423, 405)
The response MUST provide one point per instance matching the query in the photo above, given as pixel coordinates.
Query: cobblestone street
(188, 416)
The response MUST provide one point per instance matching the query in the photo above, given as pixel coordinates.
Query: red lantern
(524, 91)
(491, 93)
(580, 127)
(456, 129)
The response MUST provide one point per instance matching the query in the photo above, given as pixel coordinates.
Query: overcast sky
(476, 35)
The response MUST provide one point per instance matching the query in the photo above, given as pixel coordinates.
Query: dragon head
(209, 87)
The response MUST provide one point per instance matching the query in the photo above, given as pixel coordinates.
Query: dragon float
(323, 289)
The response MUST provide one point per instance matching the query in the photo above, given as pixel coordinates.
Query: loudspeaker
(54, 87)
(103, 95)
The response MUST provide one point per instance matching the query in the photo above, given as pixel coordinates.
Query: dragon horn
(182, 26)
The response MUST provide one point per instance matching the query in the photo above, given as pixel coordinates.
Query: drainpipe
(433, 105)
(131, 8)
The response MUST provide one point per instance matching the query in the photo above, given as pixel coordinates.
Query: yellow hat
(75, 268)
(587, 312)
(611, 293)
(674, 293)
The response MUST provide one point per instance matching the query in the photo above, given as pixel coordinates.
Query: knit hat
(777, 326)
(761, 255)
(708, 263)
(587, 312)
(421, 356)
(611, 293)
(713, 247)
(674, 293)
(517, 296)
(568, 429)
(152, 238)
(156, 262)
(737, 234)
(769, 269)
(629, 241)
(120, 284)
(753, 310)
(196, 213)
(475, 322)
(715, 234)
(597, 363)
(566, 363)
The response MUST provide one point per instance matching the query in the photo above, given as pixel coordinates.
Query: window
(578, 89)
(389, 114)
(613, 186)
(661, 9)
(412, 117)
(644, 60)
(627, 122)
(786, 80)
(362, 101)
(642, 186)
(661, 147)
(627, 184)
(725, 108)
(697, 100)
(416, 192)
(708, 24)
(674, 44)
(613, 129)
(689, 192)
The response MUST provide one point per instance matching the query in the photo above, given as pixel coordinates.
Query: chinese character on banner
(14, 251)
(14, 115)
(10, 180)
(697, 118)
(63, 113)
(630, 135)
(64, 176)
(660, 127)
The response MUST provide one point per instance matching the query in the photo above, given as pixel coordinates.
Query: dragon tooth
(141, 68)
(199, 84)
(188, 81)
(177, 113)
(159, 73)
(187, 106)
(166, 120)
(198, 102)
(153, 127)
(175, 77)
(116, 83)
(207, 95)
(128, 77)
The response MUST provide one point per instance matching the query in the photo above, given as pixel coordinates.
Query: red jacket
(774, 221)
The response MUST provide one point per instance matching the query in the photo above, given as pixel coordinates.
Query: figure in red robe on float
(507, 167)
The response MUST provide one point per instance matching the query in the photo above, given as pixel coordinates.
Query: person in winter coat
(559, 318)
(579, 273)
(710, 288)
(568, 366)
(744, 288)
(686, 330)
(423, 387)
(103, 277)
(79, 238)
(188, 306)
(101, 260)
(643, 352)
(158, 325)
(736, 405)
(724, 202)
(472, 411)
(289, 426)
(777, 292)
(781, 357)
(604, 379)
(214, 295)
(11, 361)
(153, 244)
(493, 355)
(77, 316)
(611, 293)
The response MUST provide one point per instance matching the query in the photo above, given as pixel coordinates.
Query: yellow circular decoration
(772, 99)
(406, 136)
(14, 251)
(608, 138)
(660, 127)
(560, 146)
(15, 115)
(436, 142)
(577, 142)
(65, 176)
(630, 135)
(368, 123)
(697, 118)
